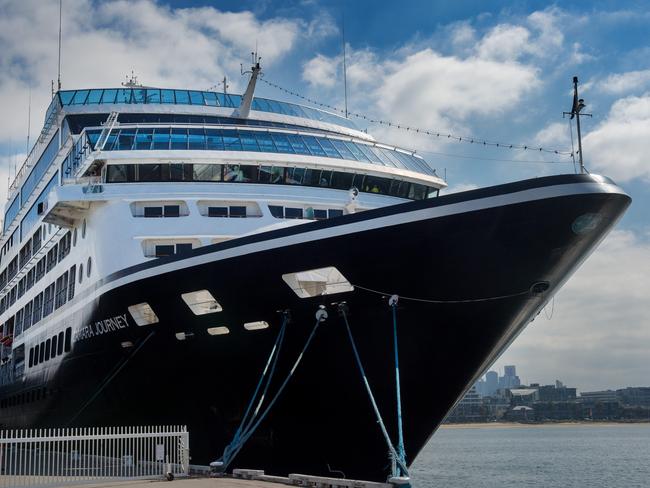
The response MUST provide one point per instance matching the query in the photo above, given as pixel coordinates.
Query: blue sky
(495, 70)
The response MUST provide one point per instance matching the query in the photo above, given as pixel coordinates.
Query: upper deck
(186, 125)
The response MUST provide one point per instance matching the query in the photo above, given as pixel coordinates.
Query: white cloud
(624, 83)
(504, 42)
(321, 71)
(429, 90)
(554, 135)
(599, 333)
(620, 145)
(103, 41)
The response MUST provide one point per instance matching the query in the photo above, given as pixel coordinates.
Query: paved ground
(181, 483)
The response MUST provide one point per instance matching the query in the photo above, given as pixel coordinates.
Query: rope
(116, 370)
(400, 435)
(272, 362)
(395, 457)
(468, 300)
(438, 134)
(252, 428)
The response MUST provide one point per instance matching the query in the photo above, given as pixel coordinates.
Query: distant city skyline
(493, 380)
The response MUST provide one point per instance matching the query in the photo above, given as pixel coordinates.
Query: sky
(498, 71)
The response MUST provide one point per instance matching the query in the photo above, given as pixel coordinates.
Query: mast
(247, 98)
(345, 70)
(578, 105)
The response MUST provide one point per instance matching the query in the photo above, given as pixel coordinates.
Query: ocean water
(567, 456)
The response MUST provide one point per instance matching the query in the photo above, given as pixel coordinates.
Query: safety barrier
(56, 457)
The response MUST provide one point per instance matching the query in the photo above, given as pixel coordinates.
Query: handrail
(52, 116)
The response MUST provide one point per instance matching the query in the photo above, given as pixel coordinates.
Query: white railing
(56, 457)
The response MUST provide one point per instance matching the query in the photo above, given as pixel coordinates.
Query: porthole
(83, 229)
(88, 266)
(74, 237)
(81, 272)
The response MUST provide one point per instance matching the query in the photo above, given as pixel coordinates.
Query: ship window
(182, 97)
(38, 308)
(153, 95)
(167, 96)
(277, 211)
(201, 302)
(172, 210)
(55, 339)
(217, 211)
(60, 344)
(88, 266)
(36, 354)
(317, 282)
(320, 214)
(334, 212)
(164, 250)
(68, 339)
(261, 324)
(238, 211)
(293, 213)
(222, 330)
(31, 357)
(143, 314)
(41, 352)
(109, 96)
(81, 272)
(48, 344)
(183, 248)
(83, 229)
(71, 281)
(206, 172)
(153, 211)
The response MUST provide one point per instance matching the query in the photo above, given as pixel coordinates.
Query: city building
(599, 396)
(634, 396)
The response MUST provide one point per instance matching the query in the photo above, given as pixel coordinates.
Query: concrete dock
(187, 483)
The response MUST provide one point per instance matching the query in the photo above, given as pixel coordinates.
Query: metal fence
(55, 457)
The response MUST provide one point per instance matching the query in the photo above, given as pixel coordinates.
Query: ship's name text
(101, 327)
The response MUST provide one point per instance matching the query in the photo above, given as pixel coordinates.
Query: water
(567, 456)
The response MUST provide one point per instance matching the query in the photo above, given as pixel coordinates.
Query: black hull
(324, 421)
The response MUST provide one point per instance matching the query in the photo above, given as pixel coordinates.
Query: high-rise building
(509, 378)
(491, 383)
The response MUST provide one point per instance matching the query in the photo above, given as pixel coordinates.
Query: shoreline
(515, 425)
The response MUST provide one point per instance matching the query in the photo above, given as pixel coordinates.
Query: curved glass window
(185, 97)
(126, 139)
(240, 173)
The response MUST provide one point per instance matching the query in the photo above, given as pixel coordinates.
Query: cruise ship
(254, 268)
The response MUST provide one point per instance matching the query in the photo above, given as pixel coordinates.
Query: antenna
(60, 17)
(29, 118)
(578, 105)
(131, 81)
(345, 70)
(225, 85)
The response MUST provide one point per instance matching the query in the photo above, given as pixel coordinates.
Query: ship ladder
(399, 471)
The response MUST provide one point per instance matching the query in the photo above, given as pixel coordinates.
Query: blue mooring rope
(400, 435)
(244, 426)
(397, 458)
(234, 447)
